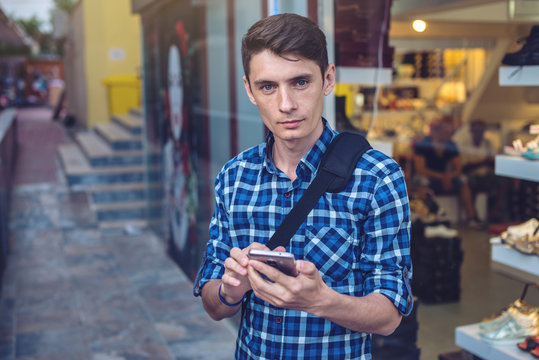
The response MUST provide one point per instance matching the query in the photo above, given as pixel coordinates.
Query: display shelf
(515, 264)
(468, 338)
(517, 167)
(360, 75)
(518, 75)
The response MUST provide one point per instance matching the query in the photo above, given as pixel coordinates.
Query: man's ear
(248, 90)
(329, 79)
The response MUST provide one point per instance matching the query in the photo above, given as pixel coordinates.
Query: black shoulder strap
(334, 173)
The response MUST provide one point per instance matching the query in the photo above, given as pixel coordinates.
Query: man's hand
(298, 293)
(308, 292)
(235, 282)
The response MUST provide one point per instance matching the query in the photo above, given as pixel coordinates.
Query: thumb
(305, 267)
(280, 248)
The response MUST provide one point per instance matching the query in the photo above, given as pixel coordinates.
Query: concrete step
(130, 122)
(128, 210)
(129, 225)
(73, 160)
(119, 138)
(125, 225)
(100, 153)
(79, 172)
(136, 112)
(125, 192)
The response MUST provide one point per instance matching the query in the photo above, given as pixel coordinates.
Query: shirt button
(287, 194)
(278, 319)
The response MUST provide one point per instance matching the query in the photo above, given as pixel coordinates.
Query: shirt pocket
(332, 250)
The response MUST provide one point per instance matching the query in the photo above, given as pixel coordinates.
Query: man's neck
(288, 154)
(287, 158)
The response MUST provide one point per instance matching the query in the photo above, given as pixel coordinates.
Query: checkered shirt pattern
(359, 239)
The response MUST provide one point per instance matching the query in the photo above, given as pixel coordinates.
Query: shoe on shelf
(528, 53)
(514, 232)
(519, 309)
(529, 344)
(440, 231)
(512, 329)
(535, 352)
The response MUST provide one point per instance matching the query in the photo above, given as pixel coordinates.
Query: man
(438, 166)
(353, 249)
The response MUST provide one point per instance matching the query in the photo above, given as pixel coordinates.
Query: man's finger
(306, 267)
(238, 255)
(230, 280)
(232, 265)
(271, 272)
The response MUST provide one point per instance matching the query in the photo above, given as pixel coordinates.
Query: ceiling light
(419, 25)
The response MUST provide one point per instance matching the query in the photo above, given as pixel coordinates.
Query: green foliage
(65, 5)
(31, 26)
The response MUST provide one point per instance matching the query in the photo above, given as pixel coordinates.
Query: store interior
(474, 62)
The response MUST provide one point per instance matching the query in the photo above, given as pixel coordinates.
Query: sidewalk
(72, 292)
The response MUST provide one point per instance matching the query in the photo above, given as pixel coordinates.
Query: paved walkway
(72, 292)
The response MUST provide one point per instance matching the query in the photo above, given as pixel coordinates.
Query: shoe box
(401, 352)
(402, 343)
(436, 262)
(458, 355)
(523, 201)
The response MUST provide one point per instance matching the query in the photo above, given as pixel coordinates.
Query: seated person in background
(477, 156)
(438, 165)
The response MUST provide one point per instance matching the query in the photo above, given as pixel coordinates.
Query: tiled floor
(72, 292)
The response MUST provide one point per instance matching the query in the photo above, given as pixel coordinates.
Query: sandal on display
(535, 352)
(529, 344)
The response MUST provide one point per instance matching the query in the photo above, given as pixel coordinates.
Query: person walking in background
(352, 251)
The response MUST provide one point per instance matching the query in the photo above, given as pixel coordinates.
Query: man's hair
(285, 34)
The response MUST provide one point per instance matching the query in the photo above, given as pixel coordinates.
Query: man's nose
(287, 102)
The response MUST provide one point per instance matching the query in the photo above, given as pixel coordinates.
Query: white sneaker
(440, 231)
(526, 228)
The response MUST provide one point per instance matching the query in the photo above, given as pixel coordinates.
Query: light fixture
(419, 25)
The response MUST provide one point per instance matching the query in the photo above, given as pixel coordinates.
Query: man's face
(478, 132)
(289, 93)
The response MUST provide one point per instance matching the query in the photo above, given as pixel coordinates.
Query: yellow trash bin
(123, 93)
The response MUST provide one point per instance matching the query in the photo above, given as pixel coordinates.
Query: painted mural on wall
(172, 97)
(180, 177)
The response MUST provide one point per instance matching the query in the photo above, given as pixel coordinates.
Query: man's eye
(302, 83)
(267, 87)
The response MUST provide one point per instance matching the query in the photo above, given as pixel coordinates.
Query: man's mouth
(291, 123)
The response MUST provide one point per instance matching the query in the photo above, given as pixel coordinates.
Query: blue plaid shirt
(359, 239)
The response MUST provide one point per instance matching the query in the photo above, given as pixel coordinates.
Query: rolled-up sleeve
(385, 258)
(218, 247)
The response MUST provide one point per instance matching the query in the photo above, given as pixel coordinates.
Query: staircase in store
(110, 165)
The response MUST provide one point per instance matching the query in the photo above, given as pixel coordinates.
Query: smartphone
(283, 261)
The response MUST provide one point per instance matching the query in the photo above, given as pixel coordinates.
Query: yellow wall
(109, 25)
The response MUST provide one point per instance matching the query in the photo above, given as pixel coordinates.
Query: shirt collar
(312, 158)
